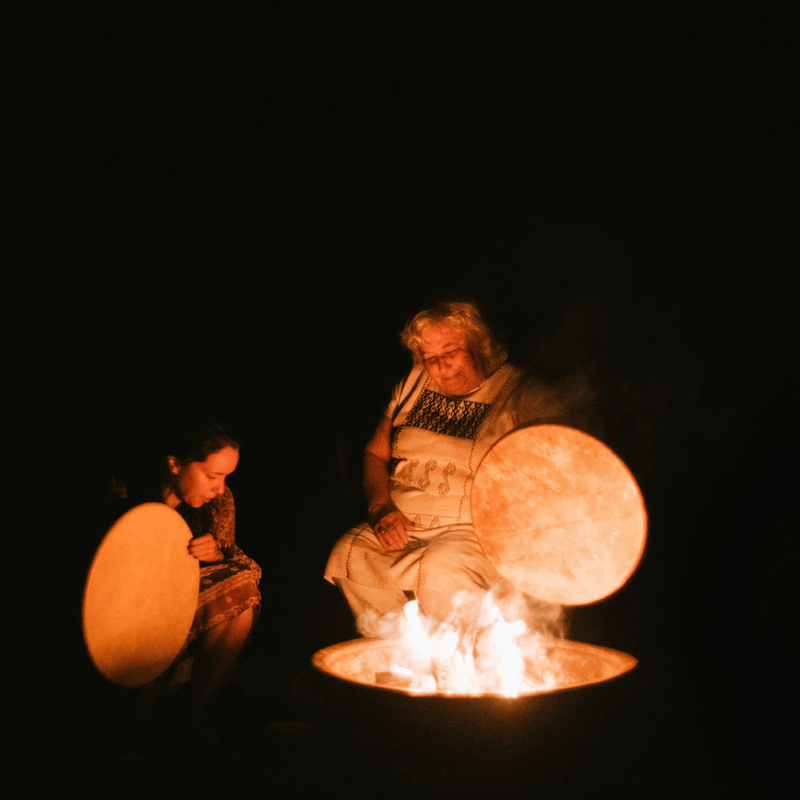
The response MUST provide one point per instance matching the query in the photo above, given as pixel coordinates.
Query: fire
(493, 656)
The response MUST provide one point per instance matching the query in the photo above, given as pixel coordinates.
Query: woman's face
(199, 482)
(448, 361)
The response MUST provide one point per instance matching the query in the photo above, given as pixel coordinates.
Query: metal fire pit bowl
(577, 664)
(480, 742)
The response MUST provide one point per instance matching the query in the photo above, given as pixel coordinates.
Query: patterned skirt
(227, 589)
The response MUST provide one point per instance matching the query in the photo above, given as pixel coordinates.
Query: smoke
(614, 375)
(470, 612)
(371, 624)
(545, 619)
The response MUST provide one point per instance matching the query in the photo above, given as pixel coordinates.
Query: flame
(492, 656)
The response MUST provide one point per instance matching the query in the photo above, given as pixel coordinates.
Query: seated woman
(195, 463)
(460, 397)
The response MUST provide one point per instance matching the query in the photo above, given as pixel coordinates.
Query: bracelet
(377, 514)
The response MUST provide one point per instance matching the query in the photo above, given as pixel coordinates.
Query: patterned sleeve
(224, 530)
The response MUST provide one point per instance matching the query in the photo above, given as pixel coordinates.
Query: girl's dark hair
(192, 433)
(197, 435)
(197, 439)
(194, 429)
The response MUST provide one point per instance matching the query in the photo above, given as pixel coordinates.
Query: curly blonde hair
(487, 352)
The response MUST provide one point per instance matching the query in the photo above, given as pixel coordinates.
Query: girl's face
(199, 482)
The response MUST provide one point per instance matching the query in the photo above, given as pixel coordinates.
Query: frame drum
(140, 596)
(558, 514)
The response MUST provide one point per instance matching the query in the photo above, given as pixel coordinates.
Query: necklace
(471, 391)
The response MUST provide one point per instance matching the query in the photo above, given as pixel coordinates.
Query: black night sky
(249, 208)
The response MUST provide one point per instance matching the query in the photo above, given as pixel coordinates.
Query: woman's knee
(365, 599)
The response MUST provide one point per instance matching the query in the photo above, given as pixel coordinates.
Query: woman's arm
(390, 525)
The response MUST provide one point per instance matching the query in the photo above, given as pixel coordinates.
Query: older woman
(460, 397)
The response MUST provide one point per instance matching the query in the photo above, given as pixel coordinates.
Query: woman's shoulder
(500, 383)
(508, 371)
(405, 388)
(412, 379)
(535, 400)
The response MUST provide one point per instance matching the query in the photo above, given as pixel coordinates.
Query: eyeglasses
(445, 358)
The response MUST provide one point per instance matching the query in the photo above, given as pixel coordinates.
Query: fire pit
(368, 662)
(556, 738)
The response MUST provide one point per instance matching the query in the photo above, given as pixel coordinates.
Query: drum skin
(558, 514)
(140, 595)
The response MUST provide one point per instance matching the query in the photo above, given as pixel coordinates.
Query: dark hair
(189, 432)
(196, 440)
(197, 435)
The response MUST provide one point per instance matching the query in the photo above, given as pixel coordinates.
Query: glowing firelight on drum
(494, 656)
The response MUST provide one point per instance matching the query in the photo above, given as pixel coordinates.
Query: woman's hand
(391, 528)
(205, 548)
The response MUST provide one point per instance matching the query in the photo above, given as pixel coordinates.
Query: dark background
(249, 208)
